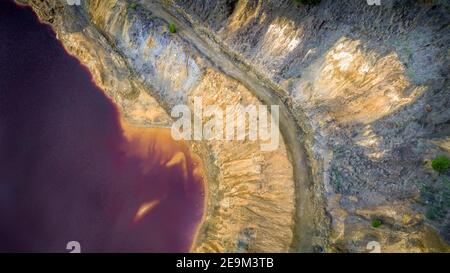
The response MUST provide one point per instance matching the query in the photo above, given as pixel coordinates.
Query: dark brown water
(69, 171)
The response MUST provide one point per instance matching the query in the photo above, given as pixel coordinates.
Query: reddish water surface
(69, 171)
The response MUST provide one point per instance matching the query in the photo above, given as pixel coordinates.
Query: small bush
(441, 163)
(336, 179)
(172, 28)
(133, 5)
(436, 198)
(435, 213)
(376, 223)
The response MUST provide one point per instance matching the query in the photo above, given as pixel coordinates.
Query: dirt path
(222, 60)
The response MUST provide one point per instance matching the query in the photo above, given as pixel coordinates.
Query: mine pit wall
(369, 87)
(146, 71)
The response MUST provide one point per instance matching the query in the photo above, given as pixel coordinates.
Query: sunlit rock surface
(367, 85)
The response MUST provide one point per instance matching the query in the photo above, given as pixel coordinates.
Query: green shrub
(376, 223)
(336, 179)
(172, 28)
(441, 163)
(133, 5)
(436, 198)
(435, 212)
(307, 2)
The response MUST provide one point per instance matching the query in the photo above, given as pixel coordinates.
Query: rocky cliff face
(364, 99)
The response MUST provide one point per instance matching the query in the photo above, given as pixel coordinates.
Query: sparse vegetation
(336, 179)
(440, 164)
(436, 198)
(133, 6)
(172, 28)
(376, 223)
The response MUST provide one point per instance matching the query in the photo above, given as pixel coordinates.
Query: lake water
(69, 171)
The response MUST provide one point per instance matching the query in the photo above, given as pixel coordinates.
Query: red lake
(69, 170)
